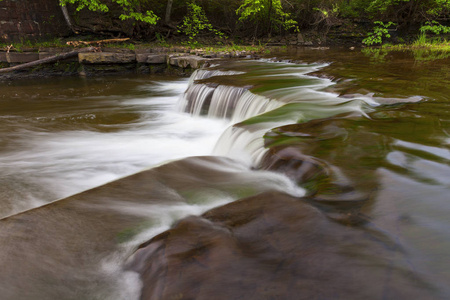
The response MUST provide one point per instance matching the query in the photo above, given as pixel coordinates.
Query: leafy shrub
(196, 22)
(270, 13)
(434, 27)
(130, 9)
(379, 32)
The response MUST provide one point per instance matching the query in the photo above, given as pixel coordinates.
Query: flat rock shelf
(100, 61)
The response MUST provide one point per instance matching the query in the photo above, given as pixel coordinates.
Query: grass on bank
(423, 49)
(30, 46)
(27, 45)
(424, 43)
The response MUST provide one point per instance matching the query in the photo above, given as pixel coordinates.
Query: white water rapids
(44, 165)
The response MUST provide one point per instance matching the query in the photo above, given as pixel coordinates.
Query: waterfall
(197, 99)
(289, 96)
(200, 74)
(221, 101)
(224, 102)
(230, 103)
(241, 144)
(237, 104)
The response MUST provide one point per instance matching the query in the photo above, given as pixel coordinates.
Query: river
(355, 145)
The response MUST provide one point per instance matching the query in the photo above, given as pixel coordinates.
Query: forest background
(282, 22)
(371, 21)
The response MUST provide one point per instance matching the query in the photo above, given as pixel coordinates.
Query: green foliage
(383, 5)
(440, 7)
(121, 45)
(434, 27)
(418, 10)
(327, 12)
(266, 11)
(379, 32)
(421, 40)
(422, 43)
(423, 50)
(430, 43)
(94, 5)
(196, 22)
(236, 48)
(353, 8)
(25, 43)
(161, 40)
(131, 9)
(147, 17)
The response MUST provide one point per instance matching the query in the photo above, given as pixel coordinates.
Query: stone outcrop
(109, 60)
(31, 20)
(113, 56)
(14, 57)
(150, 58)
(185, 61)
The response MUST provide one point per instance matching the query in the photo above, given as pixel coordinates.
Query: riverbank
(25, 61)
(162, 58)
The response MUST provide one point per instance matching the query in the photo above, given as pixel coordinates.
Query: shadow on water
(335, 187)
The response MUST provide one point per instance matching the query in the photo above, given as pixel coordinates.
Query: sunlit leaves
(379, 32)
(268, 10)
(130, 9)
(434, 27)
(195, 22)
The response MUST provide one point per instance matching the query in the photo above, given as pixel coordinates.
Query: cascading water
(251, 115)
(70, 141)
(62, 154)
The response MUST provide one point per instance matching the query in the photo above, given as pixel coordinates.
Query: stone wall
(31, 20)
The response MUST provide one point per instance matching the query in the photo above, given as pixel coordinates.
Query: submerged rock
(274, 246)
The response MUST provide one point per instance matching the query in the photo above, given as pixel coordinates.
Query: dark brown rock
(273, 246)
(106, 58)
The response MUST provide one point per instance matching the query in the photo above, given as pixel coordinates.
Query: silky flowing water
(366, 138)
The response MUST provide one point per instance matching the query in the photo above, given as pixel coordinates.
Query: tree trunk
(270, 18)
(67, 17)
(168, 11)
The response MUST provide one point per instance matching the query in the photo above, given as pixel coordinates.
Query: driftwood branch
(50, 59)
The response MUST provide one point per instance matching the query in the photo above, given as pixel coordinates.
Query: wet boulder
(274, 246)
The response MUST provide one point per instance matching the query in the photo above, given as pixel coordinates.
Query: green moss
(130, 46)
(128, 233)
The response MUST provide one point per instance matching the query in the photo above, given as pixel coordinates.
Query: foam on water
(62, 163)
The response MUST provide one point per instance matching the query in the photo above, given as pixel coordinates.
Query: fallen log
(57, 57)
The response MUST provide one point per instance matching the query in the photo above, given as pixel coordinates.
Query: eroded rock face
(274, 246)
